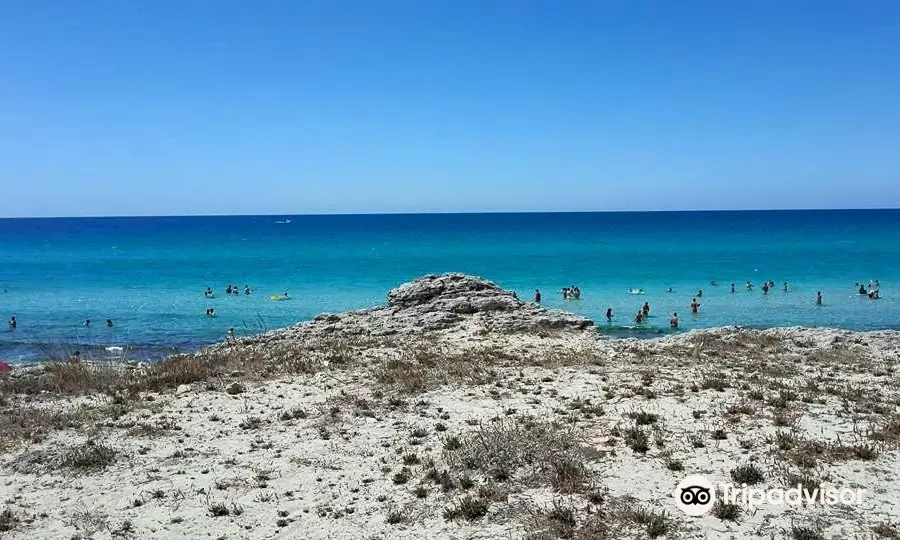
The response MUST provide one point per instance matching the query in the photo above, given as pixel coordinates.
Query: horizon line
(450, 212)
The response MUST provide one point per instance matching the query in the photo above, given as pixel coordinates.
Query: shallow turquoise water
(149, 274)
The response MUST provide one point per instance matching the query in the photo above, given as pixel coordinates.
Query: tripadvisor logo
(696, 495)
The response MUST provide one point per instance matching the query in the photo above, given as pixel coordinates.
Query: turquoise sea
(149, 274)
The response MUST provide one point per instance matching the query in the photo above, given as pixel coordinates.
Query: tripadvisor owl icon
(695, 495)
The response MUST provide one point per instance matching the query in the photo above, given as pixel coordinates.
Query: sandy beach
(456, 411)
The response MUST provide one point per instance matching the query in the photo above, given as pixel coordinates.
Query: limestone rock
(447, 303)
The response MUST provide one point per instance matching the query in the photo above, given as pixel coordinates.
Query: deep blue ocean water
(149, 274)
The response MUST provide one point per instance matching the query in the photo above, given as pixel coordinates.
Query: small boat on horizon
(283, 221)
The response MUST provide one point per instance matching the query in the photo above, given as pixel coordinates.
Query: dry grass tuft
(29, 424)
(533, 453)
(8, 520)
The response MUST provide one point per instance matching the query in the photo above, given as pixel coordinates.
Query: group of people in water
(87, 323)
(568, 293)
(234, 290)
(14, 323)
(644, 313)
(231, 290)
(874, 289)
(574, 293)
(571, 293)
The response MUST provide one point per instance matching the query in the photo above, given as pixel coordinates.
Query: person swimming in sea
(247, 290)
(819, 298)
(537, 296)
(576, 292)
(87, 323)
(230, 334)
(209, 292)
(862, 290)
(765, 288)
(749, 285)
(646, 309)
(228, 290)
(695, 306)
(784, 287)
(671, 290)
(732, 287)
(109, 323)
(13, 323)
(639, 318)
(873, 294)
(714, 283)
(609, 314)
(565, 293)
(699, 293)
(673, 321)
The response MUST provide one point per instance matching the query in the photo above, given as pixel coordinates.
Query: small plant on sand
(883, 529)
(90, 456)
(656, 523)
(466, 482)
(783, 418)
(531, 452)
(292, 414)
(452, 443)
(396, 516)
(716, 382)
(673, 464)
(807, 533)
(784, 440)
(782, 400)
(806, 480)
(402, 477)
(570, 475)
(865, 451)
(643, 418)
(740, 408)
(8, 520)
(218, 509)
(558, 521)
(726, 511)
(22, 423)
(251, 422)
(748, 474)
(889, 430)
(637, 439)
(468, 508)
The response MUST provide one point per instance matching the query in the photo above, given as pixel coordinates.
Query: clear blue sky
(194, 107)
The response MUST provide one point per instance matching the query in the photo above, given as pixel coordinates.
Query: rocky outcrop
(447, 303)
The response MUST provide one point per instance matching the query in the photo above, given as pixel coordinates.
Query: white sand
(162, 485)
